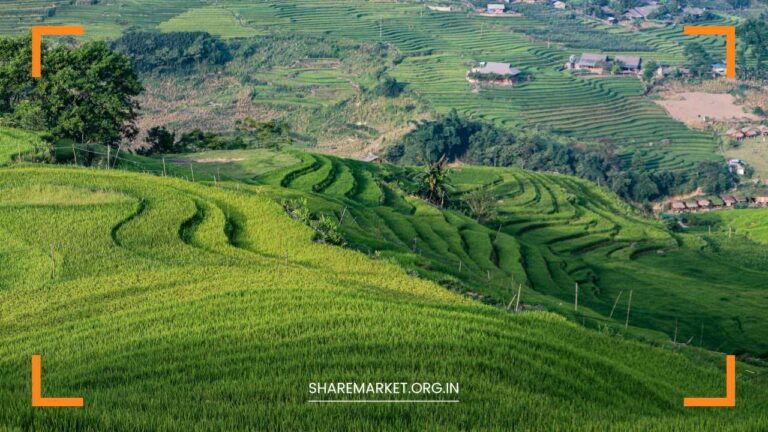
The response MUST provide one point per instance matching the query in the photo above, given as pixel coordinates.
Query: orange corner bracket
(37, 40)
(39, 401)
(730, 390)
(730, 43)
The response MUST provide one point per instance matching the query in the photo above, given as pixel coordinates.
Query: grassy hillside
(172, 307)
(440, 47)
(551, 233)
(16, 143)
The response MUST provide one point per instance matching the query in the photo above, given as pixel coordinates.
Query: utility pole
(629, 308)
(519, 294)
(192, 170)
(74, 153)
(381, 28)
(164, 167)
(109, 155)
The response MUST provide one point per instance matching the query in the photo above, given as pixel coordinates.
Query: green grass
(215, 20)
(16, 143)
(551, 233)
(439, 48)
(174, 309)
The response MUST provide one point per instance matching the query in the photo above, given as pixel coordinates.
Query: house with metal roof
(594, 62)
(503, 69)
(629, 63)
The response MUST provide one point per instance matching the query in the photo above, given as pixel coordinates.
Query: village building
(500, 73)
(693, 11)
(678, 206)
(493, 68)
(736, 134)
(761, 200)
(692, 205)
(592, 62)
(704, 203)
(629, 63)
(371, 158)
(641, 12)
(750, 132)
(729, 201)
(496, 8)
(559, 5)
(736, 166)
(763, 130)
(719, 69)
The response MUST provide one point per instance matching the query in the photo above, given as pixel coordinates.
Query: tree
(85, 94)
(433, 181)
(481, 204)
(160, 140)
(698, 59)
(649, 71)
(753, 35)
(389, 87)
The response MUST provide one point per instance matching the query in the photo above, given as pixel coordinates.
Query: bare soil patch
(218, 160)
(692, 107)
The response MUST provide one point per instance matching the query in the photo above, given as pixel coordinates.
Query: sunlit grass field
(172, 307)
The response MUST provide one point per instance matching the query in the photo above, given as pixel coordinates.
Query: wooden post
(576, 298)
(18, 150)
(109, 155)
(117, 156)
(615, 303)
(343, 213)
(192, 170)
(53, 262)
(164, 173)
(519, 294)
(74, 153)
(675, 339)
(509, 306)
(629, 308)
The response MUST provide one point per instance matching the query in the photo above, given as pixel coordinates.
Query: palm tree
(434, 181)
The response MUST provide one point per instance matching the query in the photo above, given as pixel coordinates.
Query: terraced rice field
(172, 307)
(551, 233)
(440, 48)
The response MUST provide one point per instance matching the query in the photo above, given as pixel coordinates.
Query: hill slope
(172, 307)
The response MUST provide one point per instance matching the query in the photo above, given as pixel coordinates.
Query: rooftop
(497, 68)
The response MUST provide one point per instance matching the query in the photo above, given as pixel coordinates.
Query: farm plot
(133, 297)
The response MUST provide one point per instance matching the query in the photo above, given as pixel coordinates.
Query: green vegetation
(168, 295)
(86, 93)
(434, 50)
(478, 143)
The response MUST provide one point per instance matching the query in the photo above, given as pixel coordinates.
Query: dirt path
(657, 206)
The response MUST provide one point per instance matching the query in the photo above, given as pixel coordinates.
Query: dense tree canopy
(85, 94)
(455, 137)
(154, 51)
